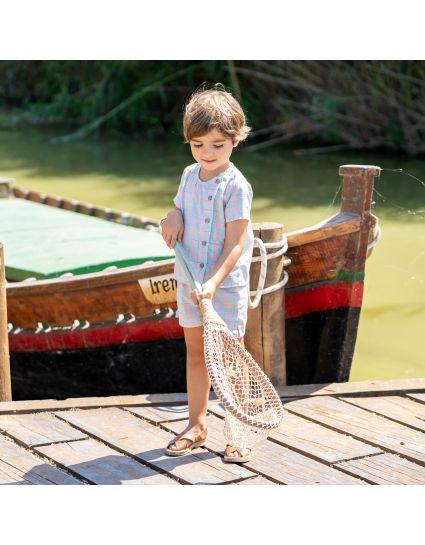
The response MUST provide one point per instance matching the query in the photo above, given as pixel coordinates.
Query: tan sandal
(236, 459)
(198, 441)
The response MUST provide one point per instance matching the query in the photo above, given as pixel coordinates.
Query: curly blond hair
(215, 108)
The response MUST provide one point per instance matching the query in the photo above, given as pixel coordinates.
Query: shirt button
(204, 243)
(201, 265)
(218, 180)
(207, 220)
(210, 198)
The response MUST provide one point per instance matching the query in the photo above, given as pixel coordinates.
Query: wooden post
(5, 382)
(356, 198)
(358, 181)
(265, 334)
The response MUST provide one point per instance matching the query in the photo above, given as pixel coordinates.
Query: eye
(197, 145)
(218, 146)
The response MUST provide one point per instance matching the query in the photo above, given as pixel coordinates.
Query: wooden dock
(349, 433)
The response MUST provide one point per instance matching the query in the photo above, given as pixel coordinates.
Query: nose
(208, 151)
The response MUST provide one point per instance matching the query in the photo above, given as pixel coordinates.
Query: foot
(234, 454)
(187, 438)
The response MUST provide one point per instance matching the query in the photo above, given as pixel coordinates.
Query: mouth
(208, 161)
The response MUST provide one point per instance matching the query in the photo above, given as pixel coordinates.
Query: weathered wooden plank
(20, 466)
(395, 386)
(318, 441)
(417, 397)
(161, 413)
(253, 481)
(385, 469)
(363, 425)
(273, 460)
(132, 435)
(397, 408)
(313, 439)
(38, 429)
(330, 389)
(11, 407)
(100, 464)
(215, 407)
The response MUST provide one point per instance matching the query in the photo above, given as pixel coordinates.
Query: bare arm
(232, 250)
(172, 228)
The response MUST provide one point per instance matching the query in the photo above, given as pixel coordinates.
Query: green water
(142, 177)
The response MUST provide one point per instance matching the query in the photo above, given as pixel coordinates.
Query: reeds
(335, 105)
(310, 106)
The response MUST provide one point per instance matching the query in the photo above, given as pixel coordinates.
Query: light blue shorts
(231, 304)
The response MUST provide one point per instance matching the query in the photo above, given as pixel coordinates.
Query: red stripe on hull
(324, 297)
(297, 303)
(149, 330)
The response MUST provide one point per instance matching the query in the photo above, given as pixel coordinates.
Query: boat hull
(159, 366)
(116, 332)
(149, 355)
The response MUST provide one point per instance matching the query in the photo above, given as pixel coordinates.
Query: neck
(206, 175)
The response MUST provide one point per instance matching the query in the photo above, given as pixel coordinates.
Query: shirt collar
(224, 176)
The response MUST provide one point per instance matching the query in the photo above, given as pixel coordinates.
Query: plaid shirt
(206, 208)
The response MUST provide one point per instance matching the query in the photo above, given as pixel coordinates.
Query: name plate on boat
(159, 289)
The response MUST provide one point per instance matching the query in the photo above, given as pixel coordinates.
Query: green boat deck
(45, 242)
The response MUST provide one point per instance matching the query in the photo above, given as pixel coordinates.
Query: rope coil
(263, 258)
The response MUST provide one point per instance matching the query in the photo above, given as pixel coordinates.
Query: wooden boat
(91, 332)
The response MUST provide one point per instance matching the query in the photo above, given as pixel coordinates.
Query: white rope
(375, 239)
(264, 257)
(282, 244)
(275, 287)
(263, 272)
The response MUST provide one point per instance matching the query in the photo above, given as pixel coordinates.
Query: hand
(208, 291)
(173, 228)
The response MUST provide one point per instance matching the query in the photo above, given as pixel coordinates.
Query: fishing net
(252, 405)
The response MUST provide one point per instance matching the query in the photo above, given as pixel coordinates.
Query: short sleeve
(238, 206)
(178, 199)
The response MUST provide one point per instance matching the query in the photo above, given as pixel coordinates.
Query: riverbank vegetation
(309, 106)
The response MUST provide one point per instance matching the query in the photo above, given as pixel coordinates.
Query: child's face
(212, 151)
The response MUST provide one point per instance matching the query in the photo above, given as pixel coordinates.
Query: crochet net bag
(252, 405)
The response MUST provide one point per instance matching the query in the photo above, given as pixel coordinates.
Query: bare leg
(198, 381)
(198, 386)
